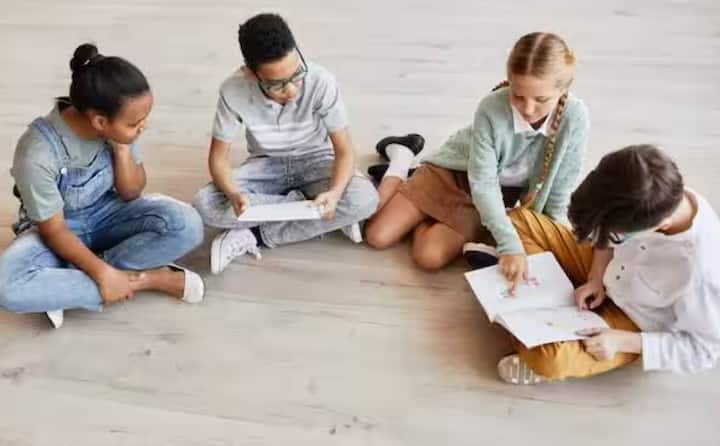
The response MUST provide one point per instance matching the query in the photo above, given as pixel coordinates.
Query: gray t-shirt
(298, 128)
(36, 169)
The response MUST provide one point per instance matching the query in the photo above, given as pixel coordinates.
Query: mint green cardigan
(490, 144)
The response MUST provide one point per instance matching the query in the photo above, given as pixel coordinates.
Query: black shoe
(377, 172)
(480, 255)
(412, 141)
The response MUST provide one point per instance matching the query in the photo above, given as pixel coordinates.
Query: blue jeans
(280, 179)
(149, 232)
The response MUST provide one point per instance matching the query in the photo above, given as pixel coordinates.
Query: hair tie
(570, 56)
(93, 60)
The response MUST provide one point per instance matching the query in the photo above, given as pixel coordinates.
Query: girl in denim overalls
(85, 235)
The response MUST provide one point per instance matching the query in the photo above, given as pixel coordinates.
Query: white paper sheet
(294, 210)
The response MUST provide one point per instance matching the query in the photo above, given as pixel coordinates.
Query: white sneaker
(56, 317)
(229, 245)
(513, 370)
(194, 291)
(353, 232)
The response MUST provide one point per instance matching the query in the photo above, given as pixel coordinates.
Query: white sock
(401, 158)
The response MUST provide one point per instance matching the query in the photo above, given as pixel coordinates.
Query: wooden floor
(328, 342)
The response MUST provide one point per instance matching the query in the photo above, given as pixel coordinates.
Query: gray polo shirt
(299, 128)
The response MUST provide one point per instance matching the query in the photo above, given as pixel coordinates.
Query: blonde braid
(549, 151)
(502, 84)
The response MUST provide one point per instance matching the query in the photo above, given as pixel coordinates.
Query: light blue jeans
(281, 179)
(149, 232)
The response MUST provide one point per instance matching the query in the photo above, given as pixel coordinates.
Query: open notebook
(543, 309)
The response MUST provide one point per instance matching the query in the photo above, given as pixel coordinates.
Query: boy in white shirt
(652, 272)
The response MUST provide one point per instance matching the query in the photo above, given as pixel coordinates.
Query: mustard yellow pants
(562, 360)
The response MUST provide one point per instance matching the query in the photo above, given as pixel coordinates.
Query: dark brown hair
(265, 38)
(102, 83)
(631, 189)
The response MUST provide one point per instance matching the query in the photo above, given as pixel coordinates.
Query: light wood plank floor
(326, 342)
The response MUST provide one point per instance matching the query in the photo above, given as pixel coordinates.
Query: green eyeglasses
(618, 238)
(278, 85)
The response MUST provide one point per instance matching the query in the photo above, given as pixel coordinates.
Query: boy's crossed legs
(267, 180)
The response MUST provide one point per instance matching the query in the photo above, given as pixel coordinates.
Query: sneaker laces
(518, 372)
(243, 242)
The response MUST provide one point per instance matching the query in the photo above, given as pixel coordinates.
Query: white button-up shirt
(518, 173)
(669, 285)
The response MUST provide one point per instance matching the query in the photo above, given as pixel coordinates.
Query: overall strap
(52, 137)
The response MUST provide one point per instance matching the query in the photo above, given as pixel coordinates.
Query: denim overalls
(80, 187)
(148, 232)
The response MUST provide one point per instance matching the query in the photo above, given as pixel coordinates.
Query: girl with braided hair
(526, 145)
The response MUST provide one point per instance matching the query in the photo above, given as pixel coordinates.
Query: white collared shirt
(520, 125)
(518, 173)
(669, 285)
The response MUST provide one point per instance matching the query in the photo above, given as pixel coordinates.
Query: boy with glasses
(297, 136)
